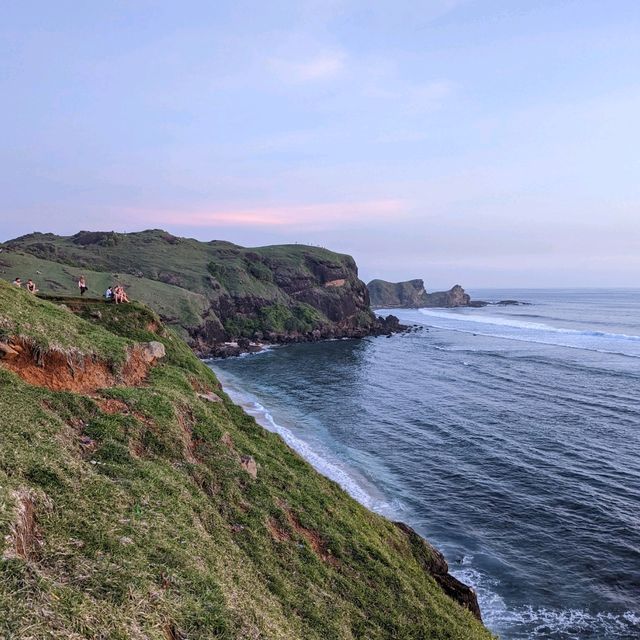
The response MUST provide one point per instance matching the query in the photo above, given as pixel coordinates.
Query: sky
(491, 143)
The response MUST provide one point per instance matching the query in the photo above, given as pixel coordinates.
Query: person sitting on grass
(82, 285)
(31, 286)
(108, 294)
(120, 294)
(17, 282)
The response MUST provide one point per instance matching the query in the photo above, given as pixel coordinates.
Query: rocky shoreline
(383, 326)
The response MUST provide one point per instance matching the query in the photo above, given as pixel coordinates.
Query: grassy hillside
(176, 305)
(212, 291)
(163, 511)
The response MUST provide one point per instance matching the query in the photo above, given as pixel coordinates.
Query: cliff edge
(212, 292)
(139, 502)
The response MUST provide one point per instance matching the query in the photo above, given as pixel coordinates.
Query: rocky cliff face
(403, 295)
(412, 295)
(214, 292)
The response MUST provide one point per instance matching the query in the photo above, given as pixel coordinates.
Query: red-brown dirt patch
(276, 530)
(315, 540)
(111, 405)
(60, 371)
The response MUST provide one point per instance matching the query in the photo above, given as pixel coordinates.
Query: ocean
(508, 436)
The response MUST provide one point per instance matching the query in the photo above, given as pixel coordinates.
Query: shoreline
(347, 480)
(244, 346)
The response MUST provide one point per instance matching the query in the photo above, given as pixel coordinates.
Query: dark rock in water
(434, 563)
(478, 303)
(505, 303)
(390, 324)
(412, 295)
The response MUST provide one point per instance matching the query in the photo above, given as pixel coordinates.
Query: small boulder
(249, 464)
(8, 352)
(210, 397)
(152, 351)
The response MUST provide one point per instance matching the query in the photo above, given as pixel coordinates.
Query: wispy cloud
(322, 66)
(311, 216)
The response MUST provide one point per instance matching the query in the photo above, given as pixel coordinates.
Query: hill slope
(213, 291)
(138, 502)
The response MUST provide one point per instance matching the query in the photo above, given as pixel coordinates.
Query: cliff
(139, 502)
(412, 295)
(212, 292)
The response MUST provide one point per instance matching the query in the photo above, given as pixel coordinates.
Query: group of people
(30, 286)
(116, 294)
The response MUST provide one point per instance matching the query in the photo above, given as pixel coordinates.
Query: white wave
(534, 332)
(541, 622)
(523, 324)
(319, 462)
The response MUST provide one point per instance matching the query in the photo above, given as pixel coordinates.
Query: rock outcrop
(434, 563)
(412, 295)
(213, 292)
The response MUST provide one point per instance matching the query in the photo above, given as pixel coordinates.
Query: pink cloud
(307, 216)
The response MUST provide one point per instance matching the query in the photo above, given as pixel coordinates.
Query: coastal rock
(404, 295)
(434, 563)
(412, 295)
(512, 303)
(455, 297)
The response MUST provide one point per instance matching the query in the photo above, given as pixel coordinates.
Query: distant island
(411, 294)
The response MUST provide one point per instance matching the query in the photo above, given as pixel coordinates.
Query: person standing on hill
(82, 285)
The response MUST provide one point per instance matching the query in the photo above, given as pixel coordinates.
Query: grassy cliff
(153, 507)
(210, 291)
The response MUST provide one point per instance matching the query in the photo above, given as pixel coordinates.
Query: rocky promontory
(215, 293)
(413, 295)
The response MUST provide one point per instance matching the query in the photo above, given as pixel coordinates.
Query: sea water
(507, 436)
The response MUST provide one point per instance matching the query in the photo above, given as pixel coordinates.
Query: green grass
(154, 528)
(178, 306)
(189, 282)
(50, 327)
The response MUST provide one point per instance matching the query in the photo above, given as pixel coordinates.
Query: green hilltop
(158, 509)
(210, 291)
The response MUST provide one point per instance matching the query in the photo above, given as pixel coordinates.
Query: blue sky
(486, 142)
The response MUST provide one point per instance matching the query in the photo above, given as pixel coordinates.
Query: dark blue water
(508, 436)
